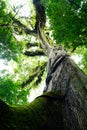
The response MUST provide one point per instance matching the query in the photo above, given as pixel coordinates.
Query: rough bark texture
(39, 26)
(65, 77)
(44, 113)
(63, 106)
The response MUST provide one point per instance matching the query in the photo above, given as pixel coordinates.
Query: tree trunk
(70, 82)
(63, 106)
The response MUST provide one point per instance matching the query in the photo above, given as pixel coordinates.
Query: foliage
(11, 92)
(9, 47)
(69, 27)
(68, 22)
(83, 63)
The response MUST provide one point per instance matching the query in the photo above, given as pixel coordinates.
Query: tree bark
(63, 106)
(70, 82)
(39, 26)
(38, 115)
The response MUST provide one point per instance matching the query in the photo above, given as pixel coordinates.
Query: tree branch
(34, 53)
(39, 26)
(28, 45)
(4, 25)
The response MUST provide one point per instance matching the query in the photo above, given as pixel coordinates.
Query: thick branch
(4, 25)
(44, 42)
(35, 53)
(2, 104)
(28, 45)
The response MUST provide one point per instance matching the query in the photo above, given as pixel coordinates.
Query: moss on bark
(44, 113)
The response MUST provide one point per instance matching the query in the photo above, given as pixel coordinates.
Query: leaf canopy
(68, 22)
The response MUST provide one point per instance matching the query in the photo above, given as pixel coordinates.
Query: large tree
(63, 104)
